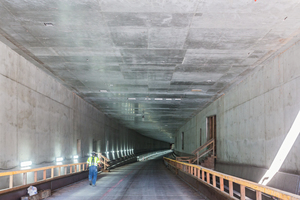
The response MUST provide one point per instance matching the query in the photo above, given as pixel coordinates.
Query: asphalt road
(146, 180)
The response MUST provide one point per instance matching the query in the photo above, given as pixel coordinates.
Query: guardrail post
(71, 169)
(258, 195)
(59, 171)
(79, 168)
(66, 169)
(221, 184)
(35, 176)
(242, 191)
(75, 168)
(203, 177)
(231, 188)
(44, 175)
(199, 173)
(52, 172)
(11, 181)
(25, 178)
(207, 177)
(214, 180)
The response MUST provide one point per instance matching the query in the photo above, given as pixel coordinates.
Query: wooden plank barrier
(44, 170)
(208, 173)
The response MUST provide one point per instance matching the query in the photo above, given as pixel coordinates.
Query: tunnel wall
(40, 119)
(253, 117)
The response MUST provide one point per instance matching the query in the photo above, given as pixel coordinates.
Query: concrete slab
(142, 180)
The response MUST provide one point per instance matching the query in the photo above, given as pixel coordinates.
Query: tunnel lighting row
(157, 99)
(59, 160)
(128, 151)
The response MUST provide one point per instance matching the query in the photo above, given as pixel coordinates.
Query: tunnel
(173, 96)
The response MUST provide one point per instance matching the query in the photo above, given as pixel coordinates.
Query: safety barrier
(211, 177)
(71, 168)
(103, 160)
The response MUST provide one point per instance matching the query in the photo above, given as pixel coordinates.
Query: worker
(92, 163)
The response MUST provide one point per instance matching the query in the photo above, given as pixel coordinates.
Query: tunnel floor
(141, 180)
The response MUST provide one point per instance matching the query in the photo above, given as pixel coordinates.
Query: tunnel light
(59, 159)
(58, 163)
(103, 90)
(131, 98)
(283, 151)
(75, 157)
(147, 99)
(158, 99)
(196, 90)
(26, 164)
(168, 99)
(177, 99)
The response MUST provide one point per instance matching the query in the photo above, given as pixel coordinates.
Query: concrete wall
(40, 119)
(254, 117)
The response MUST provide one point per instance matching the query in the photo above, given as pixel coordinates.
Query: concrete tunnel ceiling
(164, 60)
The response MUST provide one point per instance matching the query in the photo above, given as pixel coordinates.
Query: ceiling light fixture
(103, 90)
(131, 98)
(158, 99)
(169, 99)
(196, 90)
(178, 99)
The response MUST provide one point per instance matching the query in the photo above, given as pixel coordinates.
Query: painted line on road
(110, 189)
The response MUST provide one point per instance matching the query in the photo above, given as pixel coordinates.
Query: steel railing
(210, 177)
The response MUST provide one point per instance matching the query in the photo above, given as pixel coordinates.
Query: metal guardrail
(206, 175)
(73, 168)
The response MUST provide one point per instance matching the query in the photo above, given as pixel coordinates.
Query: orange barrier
(206, 175)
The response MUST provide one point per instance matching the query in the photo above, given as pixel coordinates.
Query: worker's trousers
(93, 174)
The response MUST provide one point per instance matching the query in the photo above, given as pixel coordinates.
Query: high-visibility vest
(93, 161)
